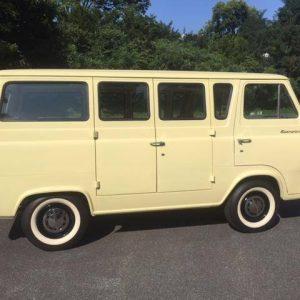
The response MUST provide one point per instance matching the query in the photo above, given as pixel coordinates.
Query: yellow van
(80, 143)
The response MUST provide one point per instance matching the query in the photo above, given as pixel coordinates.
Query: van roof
(137, 74)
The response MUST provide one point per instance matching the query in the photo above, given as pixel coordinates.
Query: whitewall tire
(253, 206)
(55, 223)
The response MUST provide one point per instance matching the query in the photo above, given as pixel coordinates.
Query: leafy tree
(174, 55)
(229, 17)
(236, 37)
(9, 50)
(109, 5)
(286, 44)
(10, 55)
(289, 13)
(28, 31)
(98, 37)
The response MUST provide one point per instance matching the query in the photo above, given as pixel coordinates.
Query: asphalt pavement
(165, 255)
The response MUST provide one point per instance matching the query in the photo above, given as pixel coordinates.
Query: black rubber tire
(29, 210)
(232, 204)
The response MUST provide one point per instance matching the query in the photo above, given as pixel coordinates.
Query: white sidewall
(66, 238)
(268, 216)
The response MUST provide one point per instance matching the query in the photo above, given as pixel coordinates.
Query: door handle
(158, 144)
(244, 141)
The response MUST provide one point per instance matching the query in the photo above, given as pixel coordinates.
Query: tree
(109, 5)
(229, 17)
(286, 45)
(288, 40)
(28, 30)
(97, 34)
(9, 50)
(236, 37)
(289, 14)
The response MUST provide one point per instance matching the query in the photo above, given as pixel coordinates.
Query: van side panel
(45, 157)
(188, 199)
(39, 157)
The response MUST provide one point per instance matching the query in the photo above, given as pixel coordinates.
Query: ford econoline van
(80, 143)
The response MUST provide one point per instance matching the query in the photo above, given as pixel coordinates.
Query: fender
(51, 190)
(257, 171)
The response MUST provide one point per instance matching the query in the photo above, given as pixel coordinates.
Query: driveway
(165, 255)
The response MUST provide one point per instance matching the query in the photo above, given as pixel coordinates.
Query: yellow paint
(45, 157)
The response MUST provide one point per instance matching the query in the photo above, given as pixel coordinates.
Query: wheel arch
(275, 180)
(28, 198)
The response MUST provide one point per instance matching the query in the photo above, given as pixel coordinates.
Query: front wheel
(253, 206)
(55, 223)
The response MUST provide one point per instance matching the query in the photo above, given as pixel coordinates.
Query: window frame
(87, 116)
(120, 119)
(271, 118)
(229, 103)
(182, 83)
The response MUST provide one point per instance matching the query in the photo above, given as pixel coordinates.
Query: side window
(42, 101)
(222, 99)
(268, 101)
(123, 101)
(181, 101)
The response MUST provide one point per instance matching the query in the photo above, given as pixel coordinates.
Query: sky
(192, 15)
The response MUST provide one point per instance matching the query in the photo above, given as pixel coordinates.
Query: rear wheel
(55, 223)
(253, 206)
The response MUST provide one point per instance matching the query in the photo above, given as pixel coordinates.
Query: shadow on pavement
(290, 209)
(102, 226)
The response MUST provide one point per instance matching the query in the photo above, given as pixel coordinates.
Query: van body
(76, 143)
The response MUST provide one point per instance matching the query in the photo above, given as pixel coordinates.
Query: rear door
(126, 161)
(184, 144)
